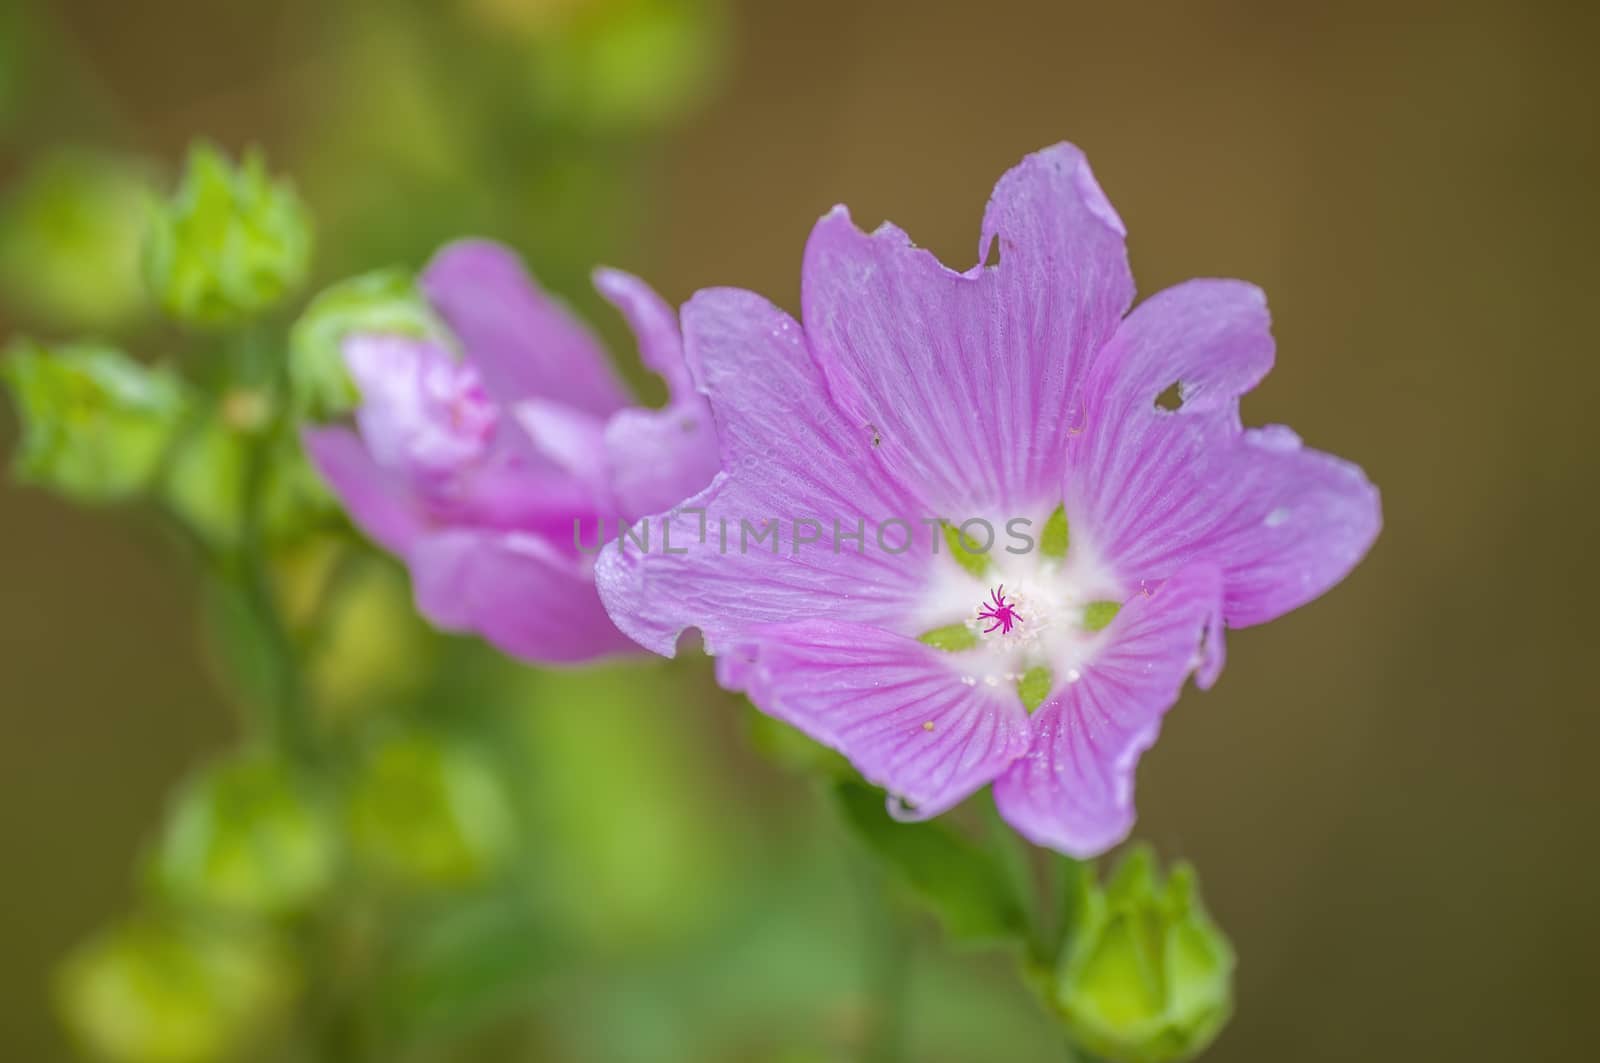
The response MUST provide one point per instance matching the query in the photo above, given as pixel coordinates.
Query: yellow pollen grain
(927, 725)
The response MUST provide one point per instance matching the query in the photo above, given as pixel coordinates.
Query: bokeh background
(1390, 797)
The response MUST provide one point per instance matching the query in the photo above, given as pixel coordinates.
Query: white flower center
(1023, 611)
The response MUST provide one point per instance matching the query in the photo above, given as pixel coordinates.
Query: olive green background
(1390, 796)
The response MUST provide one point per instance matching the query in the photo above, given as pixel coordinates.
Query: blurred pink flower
(478, 471)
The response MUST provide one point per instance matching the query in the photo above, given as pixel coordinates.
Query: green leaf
(1053, 540)
(965, 551)
(963, 883)
(1096, 615)
(1034, 686)
(952, 638)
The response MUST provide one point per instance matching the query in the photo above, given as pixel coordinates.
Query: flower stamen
(1001, 612)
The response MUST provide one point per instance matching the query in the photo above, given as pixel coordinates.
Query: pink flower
(1025, 392)
(478, 471)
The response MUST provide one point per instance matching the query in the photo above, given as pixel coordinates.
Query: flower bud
(430, 813)
(247, 837)
(96, 425)
(384, 301)
(70, 233)
(229, 245)
(1147, 976)
(156, 991)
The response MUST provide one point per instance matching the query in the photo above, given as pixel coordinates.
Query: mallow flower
(474, 466)
(979, 527)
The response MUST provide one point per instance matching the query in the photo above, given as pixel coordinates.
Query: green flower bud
(155, 991)
(1147, 976)
(96, 425)
(430, 813)
(247, 837)
(230, 245)
(70, 233)
(383, 301)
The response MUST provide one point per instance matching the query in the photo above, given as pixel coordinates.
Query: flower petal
(1158, 489)
(524, 342)
(653, 322)
(657, 458)
(788, 456)
(897, 709)
(969, 379)
(568, 438)
(518, 592)
(379, 501)
(1073, 791)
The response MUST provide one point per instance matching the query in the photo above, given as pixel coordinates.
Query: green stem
(287, 707)
(284, 700)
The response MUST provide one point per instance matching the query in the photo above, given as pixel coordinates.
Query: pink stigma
(1000, 611)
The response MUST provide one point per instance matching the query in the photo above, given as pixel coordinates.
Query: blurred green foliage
(70, 234)
(166, 991)
(967, 887)
(429, 812)
(248, 837)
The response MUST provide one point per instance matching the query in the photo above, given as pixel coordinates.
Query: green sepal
(1096, 615)
(1056, 536)
(1034, 686)
(967, 556)
(952, 638)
